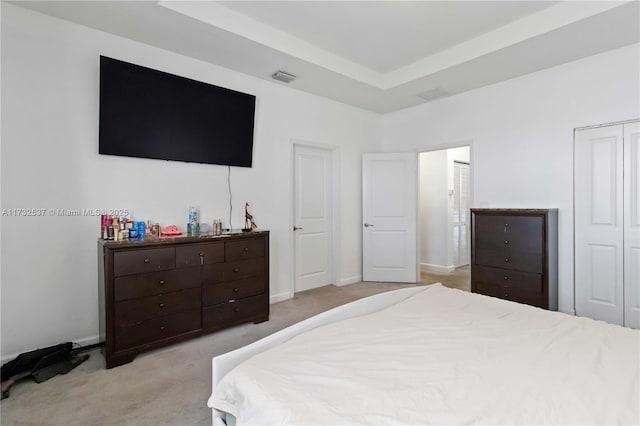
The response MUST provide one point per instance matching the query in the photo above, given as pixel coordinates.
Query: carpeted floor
(169, 386)
(457, 279)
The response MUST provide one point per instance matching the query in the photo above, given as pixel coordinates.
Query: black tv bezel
(103, 151)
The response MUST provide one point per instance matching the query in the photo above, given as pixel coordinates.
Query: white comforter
(443, 357)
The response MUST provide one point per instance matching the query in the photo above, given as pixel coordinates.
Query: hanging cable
(230, 203)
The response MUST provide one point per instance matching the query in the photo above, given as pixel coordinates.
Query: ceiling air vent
(285, 77)
(432, 94)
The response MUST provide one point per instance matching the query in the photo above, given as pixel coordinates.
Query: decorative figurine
(249, 224)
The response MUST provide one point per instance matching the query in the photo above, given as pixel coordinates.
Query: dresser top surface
(524, 211)
(158, 242)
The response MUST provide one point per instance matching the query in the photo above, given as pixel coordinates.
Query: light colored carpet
(457, 279)
(169, 386)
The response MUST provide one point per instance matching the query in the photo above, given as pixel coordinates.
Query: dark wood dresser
(157, 292)
(514, 255)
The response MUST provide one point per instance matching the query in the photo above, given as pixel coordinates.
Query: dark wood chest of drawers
(514, 255)
(157, 292)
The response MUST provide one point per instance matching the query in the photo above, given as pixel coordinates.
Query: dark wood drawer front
(249, 249)
(510, 259)
(509, 293)
(199, 254)
(242, 310)
(142, 285)
(157, 329)
(212, 274)
(232, 271)
(213, 294)
(509, 226)
(505, 241)
(524, 281)
(130, 311)
(141, 261)
(242, 269)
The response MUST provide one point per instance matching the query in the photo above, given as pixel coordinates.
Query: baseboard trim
(85, 341)
(349, 280)
(428, 267)
(279, 297)
(565, 310)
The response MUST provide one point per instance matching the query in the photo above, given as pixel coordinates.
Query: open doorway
(444, 220)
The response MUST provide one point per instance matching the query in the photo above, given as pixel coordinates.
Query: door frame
(335, 210)
(438, 147)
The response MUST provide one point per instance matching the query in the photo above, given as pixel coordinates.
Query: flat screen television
(152, 114)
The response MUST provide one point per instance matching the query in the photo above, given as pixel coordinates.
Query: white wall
(522, 135)
(433, 211)
(50, 73)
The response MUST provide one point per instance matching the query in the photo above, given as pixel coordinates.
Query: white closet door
(632, 225)
(460, 217)
(599, 223)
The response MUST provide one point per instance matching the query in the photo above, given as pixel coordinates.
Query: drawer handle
(146, 260)
(506, 225)
(506, 260)
(246, 249)
(236, 309)
(506, 295)
(161, 305)
(235, 269)
(162, 328)
(506, 277)
(161, 282)
(506, 241)
(235, 290)
(202, 258)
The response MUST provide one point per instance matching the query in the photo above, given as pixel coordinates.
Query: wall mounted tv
(152, 114)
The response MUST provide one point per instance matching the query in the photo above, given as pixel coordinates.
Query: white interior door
(599, 223)
(632, 225)
(460, 217)
(312, 218)
(389, 212)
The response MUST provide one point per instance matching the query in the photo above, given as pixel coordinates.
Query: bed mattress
(443, 356)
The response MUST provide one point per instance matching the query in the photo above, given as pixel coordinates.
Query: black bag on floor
(42, 364)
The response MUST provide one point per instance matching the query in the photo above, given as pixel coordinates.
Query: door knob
(366, 225)
(295, 228)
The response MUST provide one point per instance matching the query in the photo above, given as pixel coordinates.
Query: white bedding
(443, 357)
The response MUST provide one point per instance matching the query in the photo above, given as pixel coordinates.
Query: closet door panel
(599, 253)
(632, 225)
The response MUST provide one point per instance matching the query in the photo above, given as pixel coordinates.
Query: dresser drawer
(233, 271)
(156, 329)
(199, 254)
(129, 311)
(242, 269)
(510, 259)
(524, 226)
(254, 308)
(524, 281)
(141, 285)
(213, 294)
(140, 261)
(509, 293)
(247, 249)
(531, 243)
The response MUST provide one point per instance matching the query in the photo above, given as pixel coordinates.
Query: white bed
(432, 355)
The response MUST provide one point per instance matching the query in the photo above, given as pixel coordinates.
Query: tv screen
(152, 114)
